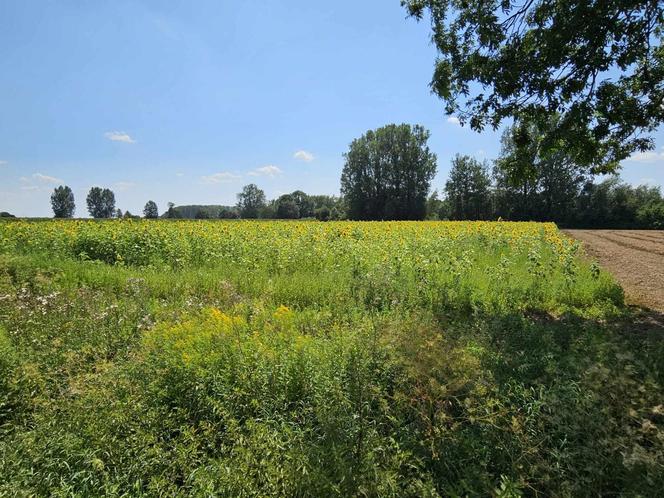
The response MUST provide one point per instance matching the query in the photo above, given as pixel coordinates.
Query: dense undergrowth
(310, 359)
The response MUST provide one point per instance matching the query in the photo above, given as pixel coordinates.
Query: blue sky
(187, 101)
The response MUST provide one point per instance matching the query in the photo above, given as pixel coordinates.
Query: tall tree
(172, 211)
(387, 174)
(598, 64)
(328, 207)
(62, 202)
(468, 189)
(250, 201)
(436, 207)
(615, 204)
(287, 207)
(304, 203)
(101, 203)
(530, 186)
(150, 210)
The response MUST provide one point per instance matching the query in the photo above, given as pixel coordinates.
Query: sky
(187, 101)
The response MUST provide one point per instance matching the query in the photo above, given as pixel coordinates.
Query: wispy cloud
(268, 170)
(2, 163)
(303, 155)
(454, 120)
(45, 179)
(39, 182)
(119, 136)
(646, 157)
(221, 177)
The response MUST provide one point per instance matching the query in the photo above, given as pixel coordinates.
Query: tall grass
(310, 359)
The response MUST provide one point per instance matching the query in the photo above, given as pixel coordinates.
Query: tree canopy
(529, 186)
(150, 210)
(598, 65)
(468, 189)
(250, 201)
(101, 203)
(62, 202)
(287, 207)
(387, 174)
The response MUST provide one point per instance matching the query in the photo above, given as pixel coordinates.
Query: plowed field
(635, 257)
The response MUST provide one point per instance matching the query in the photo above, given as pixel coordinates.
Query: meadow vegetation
(256, 358)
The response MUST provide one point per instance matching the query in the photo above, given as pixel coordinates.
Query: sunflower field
(273, 358)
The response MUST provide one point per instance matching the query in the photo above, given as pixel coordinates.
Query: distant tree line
(387, 176)
(524, 186)
(475, 192)
(253, 204)
(100, 203)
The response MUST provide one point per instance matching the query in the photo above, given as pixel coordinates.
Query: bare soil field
(635, 257)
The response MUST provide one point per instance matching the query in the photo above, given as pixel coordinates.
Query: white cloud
(303, 155)
(119, 136)
(221, 177)
(646, 157)
(122, 186)
(38, 182)
(2, 163)
(45, 179)
(268, 170)
(454, 120)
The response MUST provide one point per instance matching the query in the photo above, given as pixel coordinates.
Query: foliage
(287, 208)
(615, 204)
(468, 189)
(387, 174)
(651, 214)
(8, 363)
(62, 202)
(437, 208)
(101, 203)
(530, 186)
(323, 213)
(539, 58)
(250, 358)
(250, 201)
(172, 212)
(326, 207)
(226, 213)
(305, 204)
(150, 211)
(534, 189)
(5, 214)
(191, 210)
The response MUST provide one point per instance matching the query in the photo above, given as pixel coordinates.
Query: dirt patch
(635, 257)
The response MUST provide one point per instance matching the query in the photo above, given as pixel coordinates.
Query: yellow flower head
(283, 312)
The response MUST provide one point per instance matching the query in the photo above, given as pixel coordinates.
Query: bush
(651, 215)
(291, 413)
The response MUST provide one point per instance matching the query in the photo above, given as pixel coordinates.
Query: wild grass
(311, 359)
